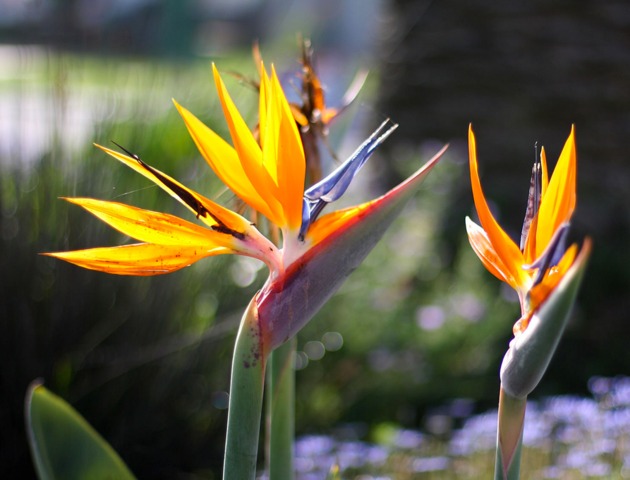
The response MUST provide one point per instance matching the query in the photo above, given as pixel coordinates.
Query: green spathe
(64, 446)
(530, 352)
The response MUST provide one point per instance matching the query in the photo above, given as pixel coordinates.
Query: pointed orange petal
(244, 142)
(529, 253)
(224, 161)
(544, 171)
(263, 104)
(269, 131)
(249, 152)
(205, 209)
(559, 199)
(331, 222)
(153, 227)
(290, 163)
(506, 249)
(487, 254)
(139, 259)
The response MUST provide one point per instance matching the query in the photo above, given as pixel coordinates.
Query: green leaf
(530, 353)
(287, 303)
(64, 446)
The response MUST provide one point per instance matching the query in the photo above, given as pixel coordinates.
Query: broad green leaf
(63, 445)
(530, 353)
(286, 304)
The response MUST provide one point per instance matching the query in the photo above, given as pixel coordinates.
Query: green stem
(509, 436)
(281, 403)
(246, 394)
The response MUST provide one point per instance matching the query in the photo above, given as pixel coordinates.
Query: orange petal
(558, 201)
(224, 161)
(269, 130)
(153, 227)
(138, 259)
(331, 222)
(290, 162)
(544, 171)
(263, 104)
(485, 251)
(205, 209)
(505, 248)
(249, 152)
(529, 253)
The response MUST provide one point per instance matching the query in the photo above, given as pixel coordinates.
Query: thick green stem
(509, 436)
(246, 394)
(281, 401)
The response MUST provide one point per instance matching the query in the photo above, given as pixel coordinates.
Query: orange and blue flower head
(535, 267)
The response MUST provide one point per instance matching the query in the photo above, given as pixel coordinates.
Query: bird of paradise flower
(545, 274)
(268, 174)
(535, 268)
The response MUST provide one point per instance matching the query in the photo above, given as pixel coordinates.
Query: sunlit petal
(224, 161)
(139, 259)
(263, 102)
(153, 227)
(505, 248)
(559, 199)
(331, 222)
(544, 170)
(269, 130)
(530, 252)
(249, 152)
(291, 164)
(485, 251)
(209, 212)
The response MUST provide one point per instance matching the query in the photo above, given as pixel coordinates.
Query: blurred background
(414, 340)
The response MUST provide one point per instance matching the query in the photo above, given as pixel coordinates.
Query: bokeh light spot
(315, 350)
(431, 317)
(332, 341)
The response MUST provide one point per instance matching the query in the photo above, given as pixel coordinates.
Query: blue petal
(552, 254)
(335, 185)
